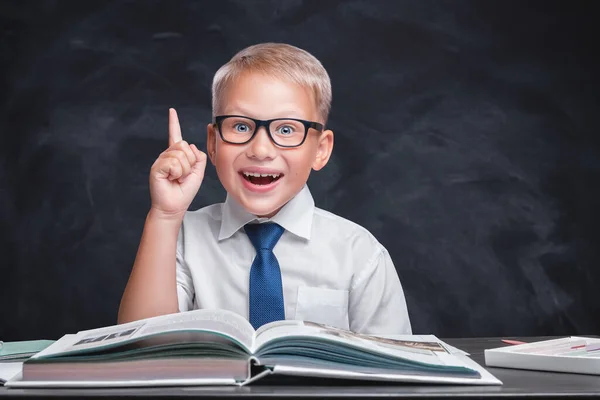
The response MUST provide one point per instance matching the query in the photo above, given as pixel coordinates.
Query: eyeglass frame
(267, 124)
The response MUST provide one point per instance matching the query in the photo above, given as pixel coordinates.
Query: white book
(217, 347)
(572, 354)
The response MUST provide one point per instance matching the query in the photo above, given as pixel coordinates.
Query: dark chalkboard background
(466, 141)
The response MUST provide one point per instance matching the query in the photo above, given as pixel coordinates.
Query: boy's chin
(264, 212)
(264, 205)
(263, 209)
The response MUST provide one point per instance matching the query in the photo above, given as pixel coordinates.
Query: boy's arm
(377, 304)
(175, 178)
(152, 288)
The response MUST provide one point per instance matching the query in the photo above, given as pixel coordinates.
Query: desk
(517, 384)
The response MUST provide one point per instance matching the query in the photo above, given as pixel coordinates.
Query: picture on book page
(380, 341)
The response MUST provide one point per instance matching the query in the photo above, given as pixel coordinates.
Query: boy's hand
(177, 173)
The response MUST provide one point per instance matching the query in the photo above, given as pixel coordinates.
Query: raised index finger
(174, 128)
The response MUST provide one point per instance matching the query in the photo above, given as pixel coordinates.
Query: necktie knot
(264, 236)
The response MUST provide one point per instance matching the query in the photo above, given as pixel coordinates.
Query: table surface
(517, 384)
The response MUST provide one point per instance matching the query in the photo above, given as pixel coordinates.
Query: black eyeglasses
(284, 132)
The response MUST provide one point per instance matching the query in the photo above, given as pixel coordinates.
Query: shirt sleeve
(377, 304)
(185, 284)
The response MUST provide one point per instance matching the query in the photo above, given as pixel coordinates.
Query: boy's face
(262, 97)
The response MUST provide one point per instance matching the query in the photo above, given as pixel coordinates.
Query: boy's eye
(241, 128)
(285, 130)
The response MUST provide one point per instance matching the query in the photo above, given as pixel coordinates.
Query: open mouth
(260, 179)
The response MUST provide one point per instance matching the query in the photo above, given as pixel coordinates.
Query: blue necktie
(266, 291)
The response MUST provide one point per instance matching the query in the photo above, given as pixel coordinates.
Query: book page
(428, 338)
(430, 352)
(349, 371)
(218, 326)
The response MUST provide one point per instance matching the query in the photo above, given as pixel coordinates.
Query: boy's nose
(261, 146)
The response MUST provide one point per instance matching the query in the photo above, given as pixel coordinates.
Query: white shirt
(333, 271)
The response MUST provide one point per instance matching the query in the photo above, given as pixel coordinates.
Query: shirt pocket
(323, 306)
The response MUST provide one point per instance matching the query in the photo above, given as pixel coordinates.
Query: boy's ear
(211, 142)
(324, 149)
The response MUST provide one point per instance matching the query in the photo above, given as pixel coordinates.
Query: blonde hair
(282, 61)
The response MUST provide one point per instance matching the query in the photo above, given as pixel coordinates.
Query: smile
(261, 179)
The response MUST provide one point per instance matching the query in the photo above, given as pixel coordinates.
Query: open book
(217, 347)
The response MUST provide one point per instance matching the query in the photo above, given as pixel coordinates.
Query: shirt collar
(296, 216)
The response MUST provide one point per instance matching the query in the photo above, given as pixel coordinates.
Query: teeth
(256, 174)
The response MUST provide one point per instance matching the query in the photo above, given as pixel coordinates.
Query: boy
(267, 253)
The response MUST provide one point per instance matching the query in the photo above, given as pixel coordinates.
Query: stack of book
(571, 354)
(21, 351)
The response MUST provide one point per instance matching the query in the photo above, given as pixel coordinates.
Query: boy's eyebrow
(286, 113)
